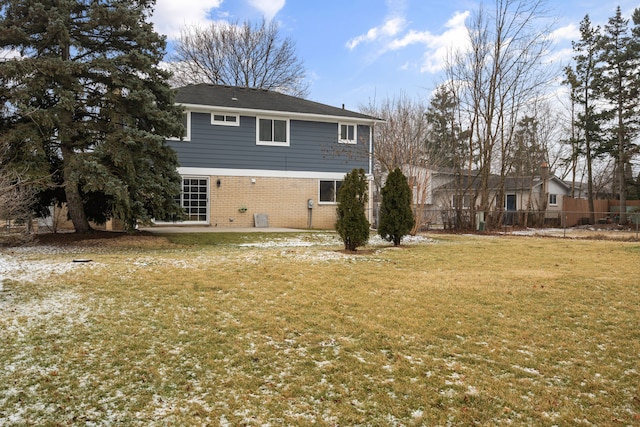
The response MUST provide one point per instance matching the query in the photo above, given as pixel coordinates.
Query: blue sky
(359, 51)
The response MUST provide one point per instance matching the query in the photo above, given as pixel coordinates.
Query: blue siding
(313, 147)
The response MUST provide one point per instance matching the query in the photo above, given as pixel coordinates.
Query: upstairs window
(186, 123)
(273, 132)
(553, 199)
(225, 119)
(347, 134)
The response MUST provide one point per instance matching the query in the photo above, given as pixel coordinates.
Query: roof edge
(258, 112)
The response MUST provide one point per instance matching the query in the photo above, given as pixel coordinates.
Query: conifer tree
(396, 217)
(84, 102)
(620, 87)
(584, 83)
(352, 224)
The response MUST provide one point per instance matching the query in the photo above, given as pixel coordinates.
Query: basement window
(329, 191)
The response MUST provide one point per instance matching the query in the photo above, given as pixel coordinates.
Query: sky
(359, 52)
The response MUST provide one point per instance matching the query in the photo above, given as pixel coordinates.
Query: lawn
(265, 329)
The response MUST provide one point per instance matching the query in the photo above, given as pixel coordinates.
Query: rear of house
(250, 153)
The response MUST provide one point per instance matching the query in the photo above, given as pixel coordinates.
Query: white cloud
(389, 28)
(390, 37)
(454, 37)
(269, 8)
(437, 45)
(561, 56)
(170, 16)
(568, 32)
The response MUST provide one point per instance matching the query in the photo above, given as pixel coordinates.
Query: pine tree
(620, 86)
(85, 103)
(396, 218)
(584, 82)
(445, 137)
(352, 224)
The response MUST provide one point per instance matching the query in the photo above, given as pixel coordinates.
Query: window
(194, 198)
(329, 191)
(186, 123)
(462, 202)
(347, 134)
(273, 132)
(553, 199)
(225, 119)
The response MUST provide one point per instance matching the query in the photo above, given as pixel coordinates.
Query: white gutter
(257, 112)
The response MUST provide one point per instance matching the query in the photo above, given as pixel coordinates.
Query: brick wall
(284, 200)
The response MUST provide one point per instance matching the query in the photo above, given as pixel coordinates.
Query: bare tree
(402, 142)
(16, 200)
(495, 78)
(246, 55)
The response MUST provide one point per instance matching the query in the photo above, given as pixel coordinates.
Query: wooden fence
(576, 211)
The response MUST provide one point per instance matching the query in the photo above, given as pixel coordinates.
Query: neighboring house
(540, 196)
(250, 152)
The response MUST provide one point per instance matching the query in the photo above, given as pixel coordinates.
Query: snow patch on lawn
(331, 240)
(14, 268)
(30, 314)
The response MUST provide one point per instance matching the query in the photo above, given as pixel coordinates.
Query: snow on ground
(573, 232)
(15, 268)
(296, 247)
(538, 232)
(331, 240)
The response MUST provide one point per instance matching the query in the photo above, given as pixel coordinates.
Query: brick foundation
(284, 200)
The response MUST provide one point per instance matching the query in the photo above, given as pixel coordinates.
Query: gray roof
(240, 98)
(511, 183)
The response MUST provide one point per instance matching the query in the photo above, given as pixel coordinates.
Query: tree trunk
(72, 192)
(75, 208)
(622, 160)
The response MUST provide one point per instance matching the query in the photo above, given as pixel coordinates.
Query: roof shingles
(241, 98)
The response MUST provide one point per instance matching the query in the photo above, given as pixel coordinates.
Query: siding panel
(313, 147)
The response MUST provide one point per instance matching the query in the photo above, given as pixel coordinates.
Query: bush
(352, 224)
(396, 217)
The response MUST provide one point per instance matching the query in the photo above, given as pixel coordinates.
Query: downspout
(371, 186)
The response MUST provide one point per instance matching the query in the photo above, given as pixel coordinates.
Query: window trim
(198, 207)
(464, 198)
(287, 143)
(355, 133)
(555, 198)
(187, 131)
(335, 191)
(226, 115)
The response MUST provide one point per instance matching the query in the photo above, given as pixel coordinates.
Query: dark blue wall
(313, 147)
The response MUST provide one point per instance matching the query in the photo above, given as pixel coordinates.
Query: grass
(219, 329)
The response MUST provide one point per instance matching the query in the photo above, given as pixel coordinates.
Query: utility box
(480, 225)
(261, 220)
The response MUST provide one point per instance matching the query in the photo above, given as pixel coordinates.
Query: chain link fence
(468, 220)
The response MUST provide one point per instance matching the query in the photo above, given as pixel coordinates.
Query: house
(252, 157)
(443, 198)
